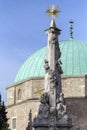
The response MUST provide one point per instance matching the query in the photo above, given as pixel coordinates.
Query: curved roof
(73, 57)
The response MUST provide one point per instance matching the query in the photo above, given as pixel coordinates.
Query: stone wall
(20, 111)
(77, 109)
(74, 86)
(33, 88)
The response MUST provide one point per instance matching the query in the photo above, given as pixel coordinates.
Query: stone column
(52, 64)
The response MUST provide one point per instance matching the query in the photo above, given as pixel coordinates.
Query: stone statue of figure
(61, 98)
(44, 106)
(52, 38)
(47, 76)
(50, 80)
(61, 108)
(58, 63)
(30, 121)
(46, 66)
(52, 76)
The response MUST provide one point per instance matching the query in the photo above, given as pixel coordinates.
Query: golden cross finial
(53, 11)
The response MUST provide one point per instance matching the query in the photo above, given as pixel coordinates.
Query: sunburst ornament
(53, 11)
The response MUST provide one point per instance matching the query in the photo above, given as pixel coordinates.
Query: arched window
(13, 123)
(19, 94)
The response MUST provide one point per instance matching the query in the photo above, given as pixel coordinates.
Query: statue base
(52, 118)
(44, 124)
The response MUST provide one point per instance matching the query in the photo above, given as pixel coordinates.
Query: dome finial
(71, 29)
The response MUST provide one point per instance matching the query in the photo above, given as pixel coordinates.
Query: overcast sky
(22, 25)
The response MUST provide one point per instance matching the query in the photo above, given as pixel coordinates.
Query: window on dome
(19, 94)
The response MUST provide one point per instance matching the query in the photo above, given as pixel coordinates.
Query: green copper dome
(73, 57)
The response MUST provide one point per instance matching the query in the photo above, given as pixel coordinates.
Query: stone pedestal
(62, 124)
(50, 118)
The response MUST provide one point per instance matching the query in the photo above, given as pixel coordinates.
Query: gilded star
(53, 11)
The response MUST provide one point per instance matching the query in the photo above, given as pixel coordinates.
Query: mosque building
(28, 85)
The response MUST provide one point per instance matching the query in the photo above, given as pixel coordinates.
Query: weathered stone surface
(21, 113)
(31, 88)
(77, 109)
(74, 87)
